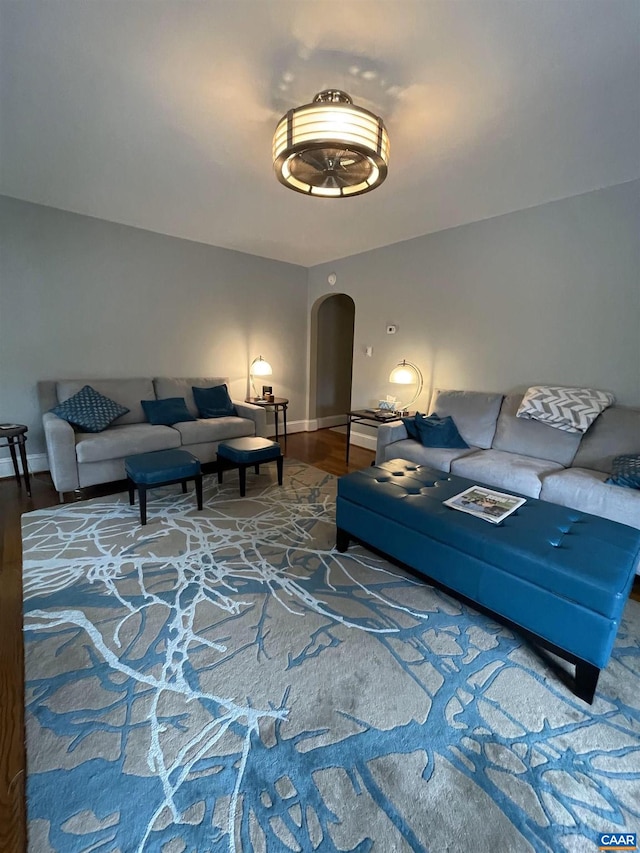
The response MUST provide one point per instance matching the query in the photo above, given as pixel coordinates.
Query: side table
(276, 404)
(17, 434)
(372, 418)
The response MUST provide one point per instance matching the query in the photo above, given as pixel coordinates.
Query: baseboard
(331, 421)
(37, 462)
(362, 440)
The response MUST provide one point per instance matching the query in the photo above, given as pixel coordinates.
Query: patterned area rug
(227, 681)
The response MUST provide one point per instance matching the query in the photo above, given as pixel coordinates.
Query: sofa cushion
(531, 437)
(89, 410)
(167, 386)
(214, 429)
(510, 471)
(474, 412)
(127, 392)
(214, 402)
(626, 471)
(169, 411)
(588, 491)
(439, 458)
(615, 432)
(434, 431)
(120, 441)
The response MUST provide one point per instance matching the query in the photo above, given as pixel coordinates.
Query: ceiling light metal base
(331, 148)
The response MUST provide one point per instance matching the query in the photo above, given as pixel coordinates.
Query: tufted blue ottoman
(161, 468)
(242, 452)
(553, 573)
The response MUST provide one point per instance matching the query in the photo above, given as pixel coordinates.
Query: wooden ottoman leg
(256, 468)
(142, 493)
(279, 464)
(242, 474)
(342, 540)
(132, 491)
(586, 681)
(198, 479)
(219, 463)
(184, 487)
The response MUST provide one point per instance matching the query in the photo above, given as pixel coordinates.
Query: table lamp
(407, 373)
(259, 367)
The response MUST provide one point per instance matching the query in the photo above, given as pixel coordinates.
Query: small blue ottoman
(242, 452)
(161, 468)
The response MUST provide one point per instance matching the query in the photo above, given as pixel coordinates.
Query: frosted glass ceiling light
(407, 373)
(259, 367)
(331, 148)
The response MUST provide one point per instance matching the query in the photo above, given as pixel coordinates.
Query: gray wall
(80, 297)
(545, 295)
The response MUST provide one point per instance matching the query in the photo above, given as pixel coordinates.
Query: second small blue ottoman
(242, 452)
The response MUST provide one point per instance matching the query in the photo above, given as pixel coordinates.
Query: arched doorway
(331, 359)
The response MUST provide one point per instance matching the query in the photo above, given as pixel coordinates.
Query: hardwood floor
(324, 449)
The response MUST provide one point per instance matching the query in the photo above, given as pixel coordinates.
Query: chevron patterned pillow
(89, 410)
(568, 409)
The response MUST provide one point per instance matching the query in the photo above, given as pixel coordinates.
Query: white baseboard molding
(37, 462)
(331, 421)
(362, 439)
(292, 426)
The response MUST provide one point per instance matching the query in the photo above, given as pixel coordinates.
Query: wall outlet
(368, 351)
(391, 329)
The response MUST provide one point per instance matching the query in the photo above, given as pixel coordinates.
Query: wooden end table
(17, 434)
(372, 418)
(276, 404)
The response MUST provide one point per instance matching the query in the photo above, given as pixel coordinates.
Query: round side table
(17, 434)
(276, 403)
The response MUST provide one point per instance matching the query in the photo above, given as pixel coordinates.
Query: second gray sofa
(79, 459)
(528, 456)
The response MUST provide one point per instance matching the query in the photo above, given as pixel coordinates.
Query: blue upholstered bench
(161, 468)
(244, 452)
(553, 573)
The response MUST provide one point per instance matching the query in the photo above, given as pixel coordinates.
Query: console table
(275, 404)
(17, 434)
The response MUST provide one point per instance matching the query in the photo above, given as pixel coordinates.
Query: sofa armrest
(61, 450)
(257, 414)
(388, 434)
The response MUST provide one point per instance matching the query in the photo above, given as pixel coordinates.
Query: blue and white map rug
(225, 680)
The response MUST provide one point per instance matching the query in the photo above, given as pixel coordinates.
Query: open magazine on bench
(485, 503)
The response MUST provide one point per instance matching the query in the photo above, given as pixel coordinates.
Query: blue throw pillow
(410, 424)
(213, 402)
(439, 432)
(89, 410)
(171, 410)
(625, 471)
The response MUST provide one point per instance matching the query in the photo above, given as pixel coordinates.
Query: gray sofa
(527, 456)
(80, 459)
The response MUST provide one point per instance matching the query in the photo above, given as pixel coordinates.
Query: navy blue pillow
(89, 410)
(213, 402)
(170, 411)
(439, 432)
(410, 424)
(625, 471)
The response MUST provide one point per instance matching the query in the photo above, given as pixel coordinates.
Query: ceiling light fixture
(331, 148)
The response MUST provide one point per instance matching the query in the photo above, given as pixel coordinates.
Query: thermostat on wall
(391, 329)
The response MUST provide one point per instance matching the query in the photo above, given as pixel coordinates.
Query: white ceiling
(160, 114)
